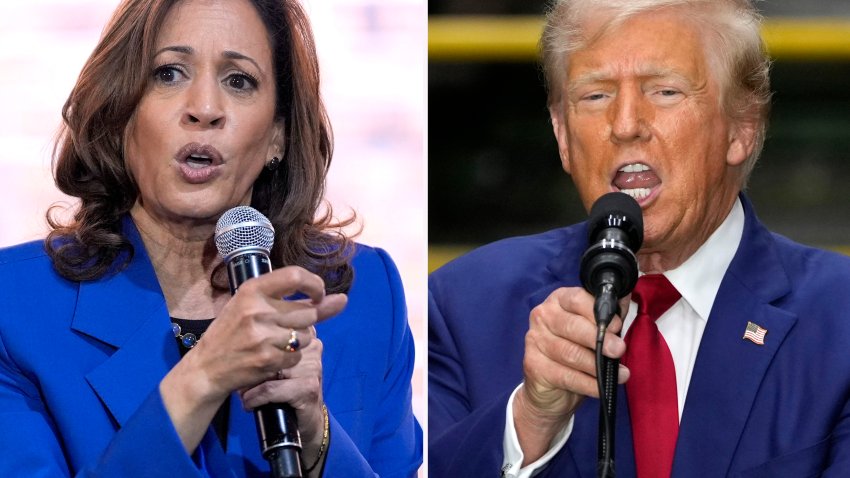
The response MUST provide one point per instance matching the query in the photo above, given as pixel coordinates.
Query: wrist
(314, 456)
(536, 427)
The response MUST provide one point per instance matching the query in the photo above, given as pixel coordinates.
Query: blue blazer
(775, 410)
(80, 365)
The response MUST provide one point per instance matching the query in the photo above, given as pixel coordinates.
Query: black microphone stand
(609, 271)
(604, 310)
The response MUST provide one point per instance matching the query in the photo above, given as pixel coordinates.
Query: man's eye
(668, 92)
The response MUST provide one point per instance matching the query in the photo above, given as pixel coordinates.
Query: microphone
(244, 238)
(609, 267)
(609, 271)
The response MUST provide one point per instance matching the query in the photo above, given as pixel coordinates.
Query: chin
(200, 209)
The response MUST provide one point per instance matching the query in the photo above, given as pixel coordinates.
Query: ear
(278, 144)
(559, 127)
(742, 140)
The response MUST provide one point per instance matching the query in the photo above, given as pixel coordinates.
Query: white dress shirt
(698, 280)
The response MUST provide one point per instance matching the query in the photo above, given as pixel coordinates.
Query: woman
(185, 110)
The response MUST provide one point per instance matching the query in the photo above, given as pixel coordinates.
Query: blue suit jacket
(777, 410)
(80, 365)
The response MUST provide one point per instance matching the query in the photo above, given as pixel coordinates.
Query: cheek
(139, 148)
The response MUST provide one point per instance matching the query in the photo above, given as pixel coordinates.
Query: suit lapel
(126, 311)
(728, 370)
(562, 270)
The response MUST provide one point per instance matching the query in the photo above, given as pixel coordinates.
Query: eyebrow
(600, 76)
(229, 54)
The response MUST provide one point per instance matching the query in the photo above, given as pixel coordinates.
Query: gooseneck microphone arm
(609, 272)
(244, 237)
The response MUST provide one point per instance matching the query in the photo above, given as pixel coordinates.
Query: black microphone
(614, 232)
(609, 271)
(244, 238)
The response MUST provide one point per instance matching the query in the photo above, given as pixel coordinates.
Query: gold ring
(292, 344)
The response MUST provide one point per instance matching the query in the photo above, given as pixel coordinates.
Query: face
(205, 127)
(641, 114)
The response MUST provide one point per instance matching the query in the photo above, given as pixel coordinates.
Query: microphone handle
(277, 424)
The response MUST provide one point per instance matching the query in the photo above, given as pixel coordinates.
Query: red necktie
(651, 389)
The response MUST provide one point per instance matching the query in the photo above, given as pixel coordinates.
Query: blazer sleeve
(32, 447)
(396, 439)
(463, 441)
(466, 438)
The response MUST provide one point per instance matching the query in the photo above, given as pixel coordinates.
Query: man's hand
(560, 366)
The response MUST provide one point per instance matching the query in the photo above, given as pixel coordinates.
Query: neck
(657, 259)
(184, 257)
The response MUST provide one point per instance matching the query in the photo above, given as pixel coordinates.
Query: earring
(273, 164)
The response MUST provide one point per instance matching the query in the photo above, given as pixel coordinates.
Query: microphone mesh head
(243, 227)
(619, 210)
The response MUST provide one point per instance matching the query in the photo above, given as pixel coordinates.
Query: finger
(292, 340)
(293, 391)
(623, 374)
(562, 324)
(616, 324)
(294, 315)
(288, 281)
(331, 305)
(576, 301)
(582, 329)
(563, 352)
(613, 346)
(624, 303)
(309, 365)
(550, 374)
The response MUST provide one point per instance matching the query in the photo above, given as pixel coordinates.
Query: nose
(629, 116)
(204, 105)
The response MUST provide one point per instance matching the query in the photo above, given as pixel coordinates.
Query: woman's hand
(301, 387)
(245, 346)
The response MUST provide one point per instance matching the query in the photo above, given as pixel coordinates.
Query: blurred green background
(492, 159)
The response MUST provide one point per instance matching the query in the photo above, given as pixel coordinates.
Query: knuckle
(571, 301)
(290, 359)
(266, 359)
(290, 274)
(571, 354)
(249, 287)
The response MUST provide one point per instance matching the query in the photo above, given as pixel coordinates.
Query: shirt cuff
(512, 464)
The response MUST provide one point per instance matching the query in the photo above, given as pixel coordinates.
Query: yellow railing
(514, 38)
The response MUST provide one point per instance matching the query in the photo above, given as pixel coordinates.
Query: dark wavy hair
(89, 162)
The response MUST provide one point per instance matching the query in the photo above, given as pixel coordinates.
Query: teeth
(637, 193)
(634, 168)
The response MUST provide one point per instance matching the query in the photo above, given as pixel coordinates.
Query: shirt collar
(698, 278)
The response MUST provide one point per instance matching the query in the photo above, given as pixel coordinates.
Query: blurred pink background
(373, 55)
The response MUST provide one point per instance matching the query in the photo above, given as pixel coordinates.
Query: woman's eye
(167, 74)
(242, 82)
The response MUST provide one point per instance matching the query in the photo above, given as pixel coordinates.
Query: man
(665, 100)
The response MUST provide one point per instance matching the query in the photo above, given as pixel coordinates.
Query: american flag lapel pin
(754, 333)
